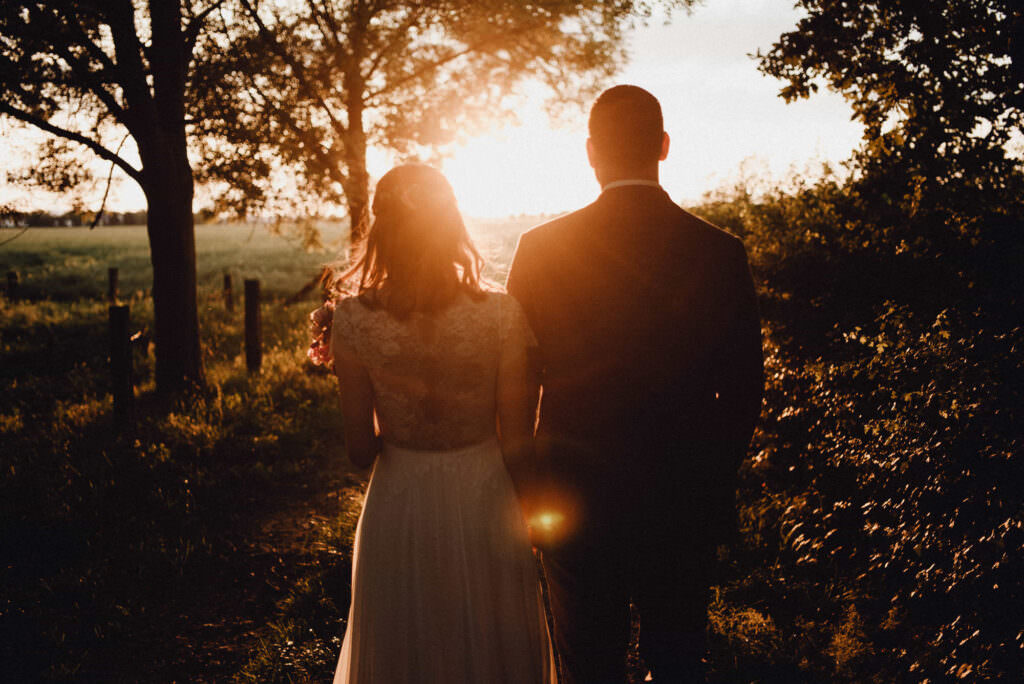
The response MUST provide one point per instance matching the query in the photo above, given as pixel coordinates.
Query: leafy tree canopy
(83, 71)
(938, 84)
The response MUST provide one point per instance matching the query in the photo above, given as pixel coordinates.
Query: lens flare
(547, 520)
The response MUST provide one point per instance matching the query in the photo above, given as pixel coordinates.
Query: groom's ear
(590, 153)
(665, 140)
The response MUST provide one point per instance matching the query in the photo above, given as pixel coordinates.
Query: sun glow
(725, 119)
(529, 168)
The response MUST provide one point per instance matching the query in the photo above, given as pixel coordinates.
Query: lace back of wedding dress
(444, 585)
(434, 375)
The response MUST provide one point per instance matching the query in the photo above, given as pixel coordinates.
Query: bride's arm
(361, 439)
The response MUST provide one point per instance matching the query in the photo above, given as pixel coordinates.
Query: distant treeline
(45, 219)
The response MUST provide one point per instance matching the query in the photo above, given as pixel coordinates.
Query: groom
(651, 368)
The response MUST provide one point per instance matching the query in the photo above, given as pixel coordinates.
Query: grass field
(64, 264)
(71, 263)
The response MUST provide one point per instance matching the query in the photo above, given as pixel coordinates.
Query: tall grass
(121, 543)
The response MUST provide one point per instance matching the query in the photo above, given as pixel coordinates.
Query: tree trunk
(169, 187)
(357, 196)
(357, 184)
(173, 254)
(357, 180)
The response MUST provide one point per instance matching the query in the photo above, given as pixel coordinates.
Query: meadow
(210, 539)
(71, 263)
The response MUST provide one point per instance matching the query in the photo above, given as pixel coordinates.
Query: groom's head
(627, 134)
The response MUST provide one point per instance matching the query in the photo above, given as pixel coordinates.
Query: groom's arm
(517, 281)
(518, 284)
(740, 383)
(737, 382)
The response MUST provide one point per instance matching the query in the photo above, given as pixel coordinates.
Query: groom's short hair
(626, 127)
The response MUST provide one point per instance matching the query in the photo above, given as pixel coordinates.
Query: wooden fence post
(112, 285)
(12, 285)
(229, 296)
(253, 350)
(120, 361)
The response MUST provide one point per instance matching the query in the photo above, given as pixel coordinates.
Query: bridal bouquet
(319, 351)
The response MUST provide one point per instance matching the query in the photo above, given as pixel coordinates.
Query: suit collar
(630, 181)
(632, 192)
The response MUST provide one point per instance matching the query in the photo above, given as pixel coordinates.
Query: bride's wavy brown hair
(417, 255)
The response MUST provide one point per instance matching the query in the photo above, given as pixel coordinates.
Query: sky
(723, 116)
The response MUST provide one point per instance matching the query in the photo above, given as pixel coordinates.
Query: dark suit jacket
(650, 344)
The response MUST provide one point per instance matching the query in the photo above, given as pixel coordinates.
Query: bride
(444, 584)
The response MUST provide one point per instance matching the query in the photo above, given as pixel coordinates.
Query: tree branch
(325, 22)
(95, 50)
(92, 79)
(195, 25)
(427, 68)
(323, 155)
(126, 49)
(297, 70)
(106, 191)
(73, 136)
(414, 16)
(95, 86)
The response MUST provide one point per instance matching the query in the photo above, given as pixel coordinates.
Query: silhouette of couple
(636, 324)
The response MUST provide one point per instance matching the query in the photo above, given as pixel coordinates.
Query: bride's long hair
(417, 255)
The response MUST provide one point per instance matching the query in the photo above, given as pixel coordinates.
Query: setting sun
(531, 168)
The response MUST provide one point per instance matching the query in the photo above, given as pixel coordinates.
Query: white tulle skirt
(444, 584)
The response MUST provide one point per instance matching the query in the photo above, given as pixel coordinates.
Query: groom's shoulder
(556, 229)
(709, 233)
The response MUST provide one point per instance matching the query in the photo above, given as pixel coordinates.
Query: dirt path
(220, 612)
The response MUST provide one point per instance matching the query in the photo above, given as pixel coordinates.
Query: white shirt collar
(630, 181)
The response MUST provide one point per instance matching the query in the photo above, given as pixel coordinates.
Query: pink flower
(319, 351)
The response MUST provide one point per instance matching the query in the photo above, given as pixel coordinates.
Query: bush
(882, 521)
